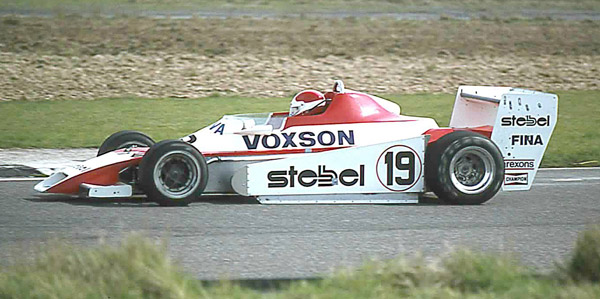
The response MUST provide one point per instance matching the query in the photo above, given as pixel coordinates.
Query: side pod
(390, 172)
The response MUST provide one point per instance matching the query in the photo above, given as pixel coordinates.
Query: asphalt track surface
(236, 238)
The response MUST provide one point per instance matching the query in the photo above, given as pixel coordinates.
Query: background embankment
(95, 57)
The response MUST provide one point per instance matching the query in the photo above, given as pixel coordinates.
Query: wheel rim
(177, 174)
(472, 170)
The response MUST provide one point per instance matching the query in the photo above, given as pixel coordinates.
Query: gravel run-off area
(28, 76)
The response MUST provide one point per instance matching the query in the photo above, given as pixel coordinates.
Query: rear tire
(464, 168)
(124, 139)
(173, 173)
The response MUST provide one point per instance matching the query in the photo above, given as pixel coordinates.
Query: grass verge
(67, 124)
(140, 269)
(136, 269)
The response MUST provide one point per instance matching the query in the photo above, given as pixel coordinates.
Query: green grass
(576, 138)
(64, 124)
(69, 123)
(139, 268)
(584, 265)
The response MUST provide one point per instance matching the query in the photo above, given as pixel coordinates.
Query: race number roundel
(398, 168)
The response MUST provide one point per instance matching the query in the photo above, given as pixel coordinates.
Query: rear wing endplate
(522, 120)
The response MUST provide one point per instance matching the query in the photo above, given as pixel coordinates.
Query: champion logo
(516, 179)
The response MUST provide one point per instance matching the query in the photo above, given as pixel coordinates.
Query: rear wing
(522, 120)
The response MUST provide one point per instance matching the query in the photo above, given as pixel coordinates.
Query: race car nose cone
(39, 187)
(49, 182)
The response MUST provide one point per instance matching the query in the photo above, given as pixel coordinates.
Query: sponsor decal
(322, 177)
(189, 139)
(516, 179)
(526, 140)
(398, 168)
(299, 139)
(81, 167)
(519, 164)
(525, 121)
(219, 128)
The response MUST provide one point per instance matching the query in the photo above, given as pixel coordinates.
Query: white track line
(568, 180)
(569, 168)
(20, 179)
(577, 179)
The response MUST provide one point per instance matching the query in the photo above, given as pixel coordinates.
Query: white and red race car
(339, 147)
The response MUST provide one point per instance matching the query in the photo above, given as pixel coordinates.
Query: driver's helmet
(305, 100)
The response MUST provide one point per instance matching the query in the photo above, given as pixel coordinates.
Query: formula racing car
(340, 146)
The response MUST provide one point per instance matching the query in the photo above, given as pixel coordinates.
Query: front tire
(464, 168)
(124, 139)
(173, 173)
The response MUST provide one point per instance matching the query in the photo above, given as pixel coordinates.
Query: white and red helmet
(306, 100)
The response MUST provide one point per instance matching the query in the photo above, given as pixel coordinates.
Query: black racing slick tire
(464, 168)
(173, 173)
(124, 139)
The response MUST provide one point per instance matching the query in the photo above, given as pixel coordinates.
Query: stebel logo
(322, 177)
(526, 121)
(302, 139)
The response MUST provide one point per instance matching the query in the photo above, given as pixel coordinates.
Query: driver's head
(305, 100)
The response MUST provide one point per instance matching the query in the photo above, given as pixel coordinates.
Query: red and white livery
(341, 146)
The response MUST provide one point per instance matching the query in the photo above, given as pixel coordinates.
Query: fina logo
(526, 140)
(302, 139)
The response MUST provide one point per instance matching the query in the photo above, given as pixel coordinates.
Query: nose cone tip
(51, 181)
(40, 187)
